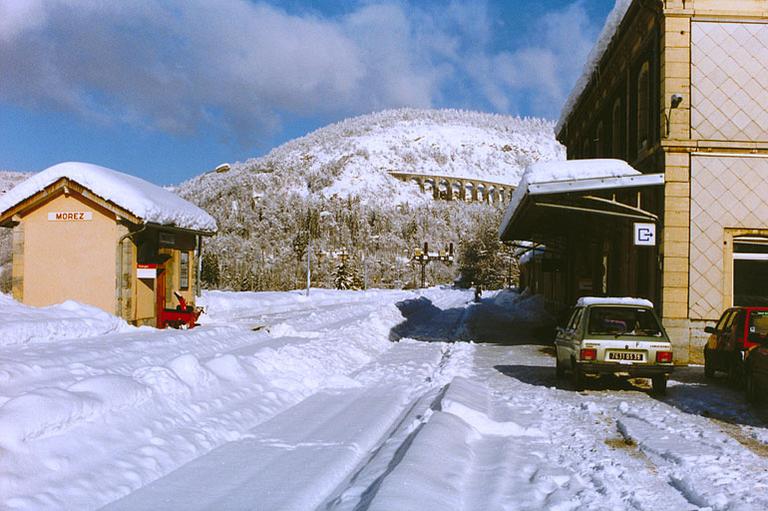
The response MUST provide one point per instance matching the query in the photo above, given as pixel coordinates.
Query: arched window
(617, 130)
(643, 107)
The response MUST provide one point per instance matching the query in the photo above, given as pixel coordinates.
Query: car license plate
(626, 356)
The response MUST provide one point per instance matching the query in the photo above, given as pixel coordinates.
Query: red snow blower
(183, 316)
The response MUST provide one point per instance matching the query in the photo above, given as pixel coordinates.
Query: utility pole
(374, 238)
(424, 257)
(309, 270)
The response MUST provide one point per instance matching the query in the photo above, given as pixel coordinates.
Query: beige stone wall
(124, 299)
(729, 81)
(729, 196)
(17, 265)
(145, 301)
(725, 7)
(69, 260)
(676, 76)
(676, 130)
(714, 53)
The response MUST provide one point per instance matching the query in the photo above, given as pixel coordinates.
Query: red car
(738, 330)
(756, 371)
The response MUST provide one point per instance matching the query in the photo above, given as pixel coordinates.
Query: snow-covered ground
(376, 400)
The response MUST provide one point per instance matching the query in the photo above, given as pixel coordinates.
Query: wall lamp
(674, 102)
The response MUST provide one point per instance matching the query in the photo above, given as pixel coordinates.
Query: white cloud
(542, 73)
(237, 66)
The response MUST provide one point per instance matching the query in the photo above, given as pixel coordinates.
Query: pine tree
(484, 260)
(343, 276)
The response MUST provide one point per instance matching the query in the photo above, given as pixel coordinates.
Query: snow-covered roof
(613, 300)
(528, 256)
(145, 200)
(551, 172)
(615, 17)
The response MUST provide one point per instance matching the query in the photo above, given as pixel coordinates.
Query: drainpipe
(120, 268)
(199, 264)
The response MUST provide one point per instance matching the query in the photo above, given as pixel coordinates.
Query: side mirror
(709, 330)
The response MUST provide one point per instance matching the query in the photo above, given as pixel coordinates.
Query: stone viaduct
(458, 188)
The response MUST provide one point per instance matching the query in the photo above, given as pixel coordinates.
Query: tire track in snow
(362, 485)
(581, 430)
(357, 493)
(682, 446)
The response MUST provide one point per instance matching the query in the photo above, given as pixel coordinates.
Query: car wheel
(559, 370)
(709, 371)
(750, 390)
(577, 378)
(659, 384)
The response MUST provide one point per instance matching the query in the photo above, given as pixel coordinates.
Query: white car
(620, 336)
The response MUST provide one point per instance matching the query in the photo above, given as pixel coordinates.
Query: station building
(100, 237)
(678, 89)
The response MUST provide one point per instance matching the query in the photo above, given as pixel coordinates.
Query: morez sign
(69, 216)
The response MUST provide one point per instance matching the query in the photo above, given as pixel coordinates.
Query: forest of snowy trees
(264, 246)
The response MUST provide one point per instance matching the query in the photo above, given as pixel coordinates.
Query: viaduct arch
(458, 188)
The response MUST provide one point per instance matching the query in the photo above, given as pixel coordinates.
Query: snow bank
(68, 320)
(521, 306)
(145, 200)
(471, 402)
(457, 439)
(443, 445)
(48, 410)
(139, 404)
(224, 306)
(509, 317)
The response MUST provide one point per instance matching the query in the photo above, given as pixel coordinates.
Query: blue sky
(167, 90)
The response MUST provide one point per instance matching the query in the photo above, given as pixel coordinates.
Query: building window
(617, 130)
(643, 107)
(184, 271)
(750, 270)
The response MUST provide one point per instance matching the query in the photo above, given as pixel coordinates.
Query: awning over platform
(555, 197)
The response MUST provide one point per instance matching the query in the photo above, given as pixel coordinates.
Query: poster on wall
(146, 271)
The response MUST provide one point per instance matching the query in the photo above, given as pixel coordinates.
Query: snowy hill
(342, 171)
(353, 157)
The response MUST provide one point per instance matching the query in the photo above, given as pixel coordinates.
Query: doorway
(750, 271)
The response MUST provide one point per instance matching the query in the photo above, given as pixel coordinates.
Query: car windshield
(758, 323)
(608, 320)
